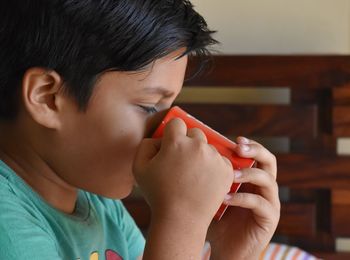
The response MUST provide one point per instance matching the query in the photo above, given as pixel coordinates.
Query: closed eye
(149, 110)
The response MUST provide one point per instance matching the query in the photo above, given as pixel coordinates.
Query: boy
(81, 84)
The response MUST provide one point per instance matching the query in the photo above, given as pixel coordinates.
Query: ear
(40, 91)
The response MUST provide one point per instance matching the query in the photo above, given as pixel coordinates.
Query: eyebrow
(158, 90)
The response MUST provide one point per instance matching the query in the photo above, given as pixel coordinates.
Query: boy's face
(94, 150)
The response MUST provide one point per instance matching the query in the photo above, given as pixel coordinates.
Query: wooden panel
(341, 120)
(323, 144)
(340, 220)
(313, 171)
(341, 111)
(234, 95)
(341, 212)
(322, 241)
(341, 197)
(296, 71)
(321, 198)
(341, 96)
(306, 95)
(264, 120)
(297, 219)
(320, 97)
(332, 256)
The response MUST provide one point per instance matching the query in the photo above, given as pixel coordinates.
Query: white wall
(279, 26)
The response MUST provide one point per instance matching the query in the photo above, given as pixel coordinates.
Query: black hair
(80, 39)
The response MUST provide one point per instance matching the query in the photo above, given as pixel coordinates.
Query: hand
(248, 225)
(182, 176)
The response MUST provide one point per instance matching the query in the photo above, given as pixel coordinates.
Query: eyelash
(149, 110)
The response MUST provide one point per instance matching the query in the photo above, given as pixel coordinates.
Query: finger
(266, 183)
(198, 134)
(228, 162)
(224, 158)
(266, 160)
(148, 148)
(206, 251)
(245, 140)
(260, 206)
(173, 130)
(213, 147)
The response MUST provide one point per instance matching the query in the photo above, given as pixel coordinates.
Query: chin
(114, 186)
(117, 193)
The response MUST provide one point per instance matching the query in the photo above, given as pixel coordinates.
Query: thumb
(148, 148)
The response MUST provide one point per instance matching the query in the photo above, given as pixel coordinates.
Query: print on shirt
(110, 255)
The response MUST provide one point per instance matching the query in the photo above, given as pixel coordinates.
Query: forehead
(163, 77)
(163, 74)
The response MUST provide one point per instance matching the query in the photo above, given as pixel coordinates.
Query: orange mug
(223, 145)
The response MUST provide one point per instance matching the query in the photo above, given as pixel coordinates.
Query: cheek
(123, 142)
(106, 138)
(100, 153)
(118, 135)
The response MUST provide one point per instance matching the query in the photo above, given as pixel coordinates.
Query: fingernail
(228, 197)
(206, 250)
(238, 174)
(244, 147)
(243, 140)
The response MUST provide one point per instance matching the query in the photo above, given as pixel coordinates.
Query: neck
(36, 172)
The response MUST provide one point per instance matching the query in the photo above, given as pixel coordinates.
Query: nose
(153, 122)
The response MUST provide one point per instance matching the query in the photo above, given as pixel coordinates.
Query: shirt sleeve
(135, 239)
(21, 234)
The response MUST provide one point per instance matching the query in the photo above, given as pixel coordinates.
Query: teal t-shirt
(99, 228)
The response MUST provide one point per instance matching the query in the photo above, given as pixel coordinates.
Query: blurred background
(277, 27)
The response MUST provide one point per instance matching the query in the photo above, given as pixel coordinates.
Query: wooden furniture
(314, 179)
